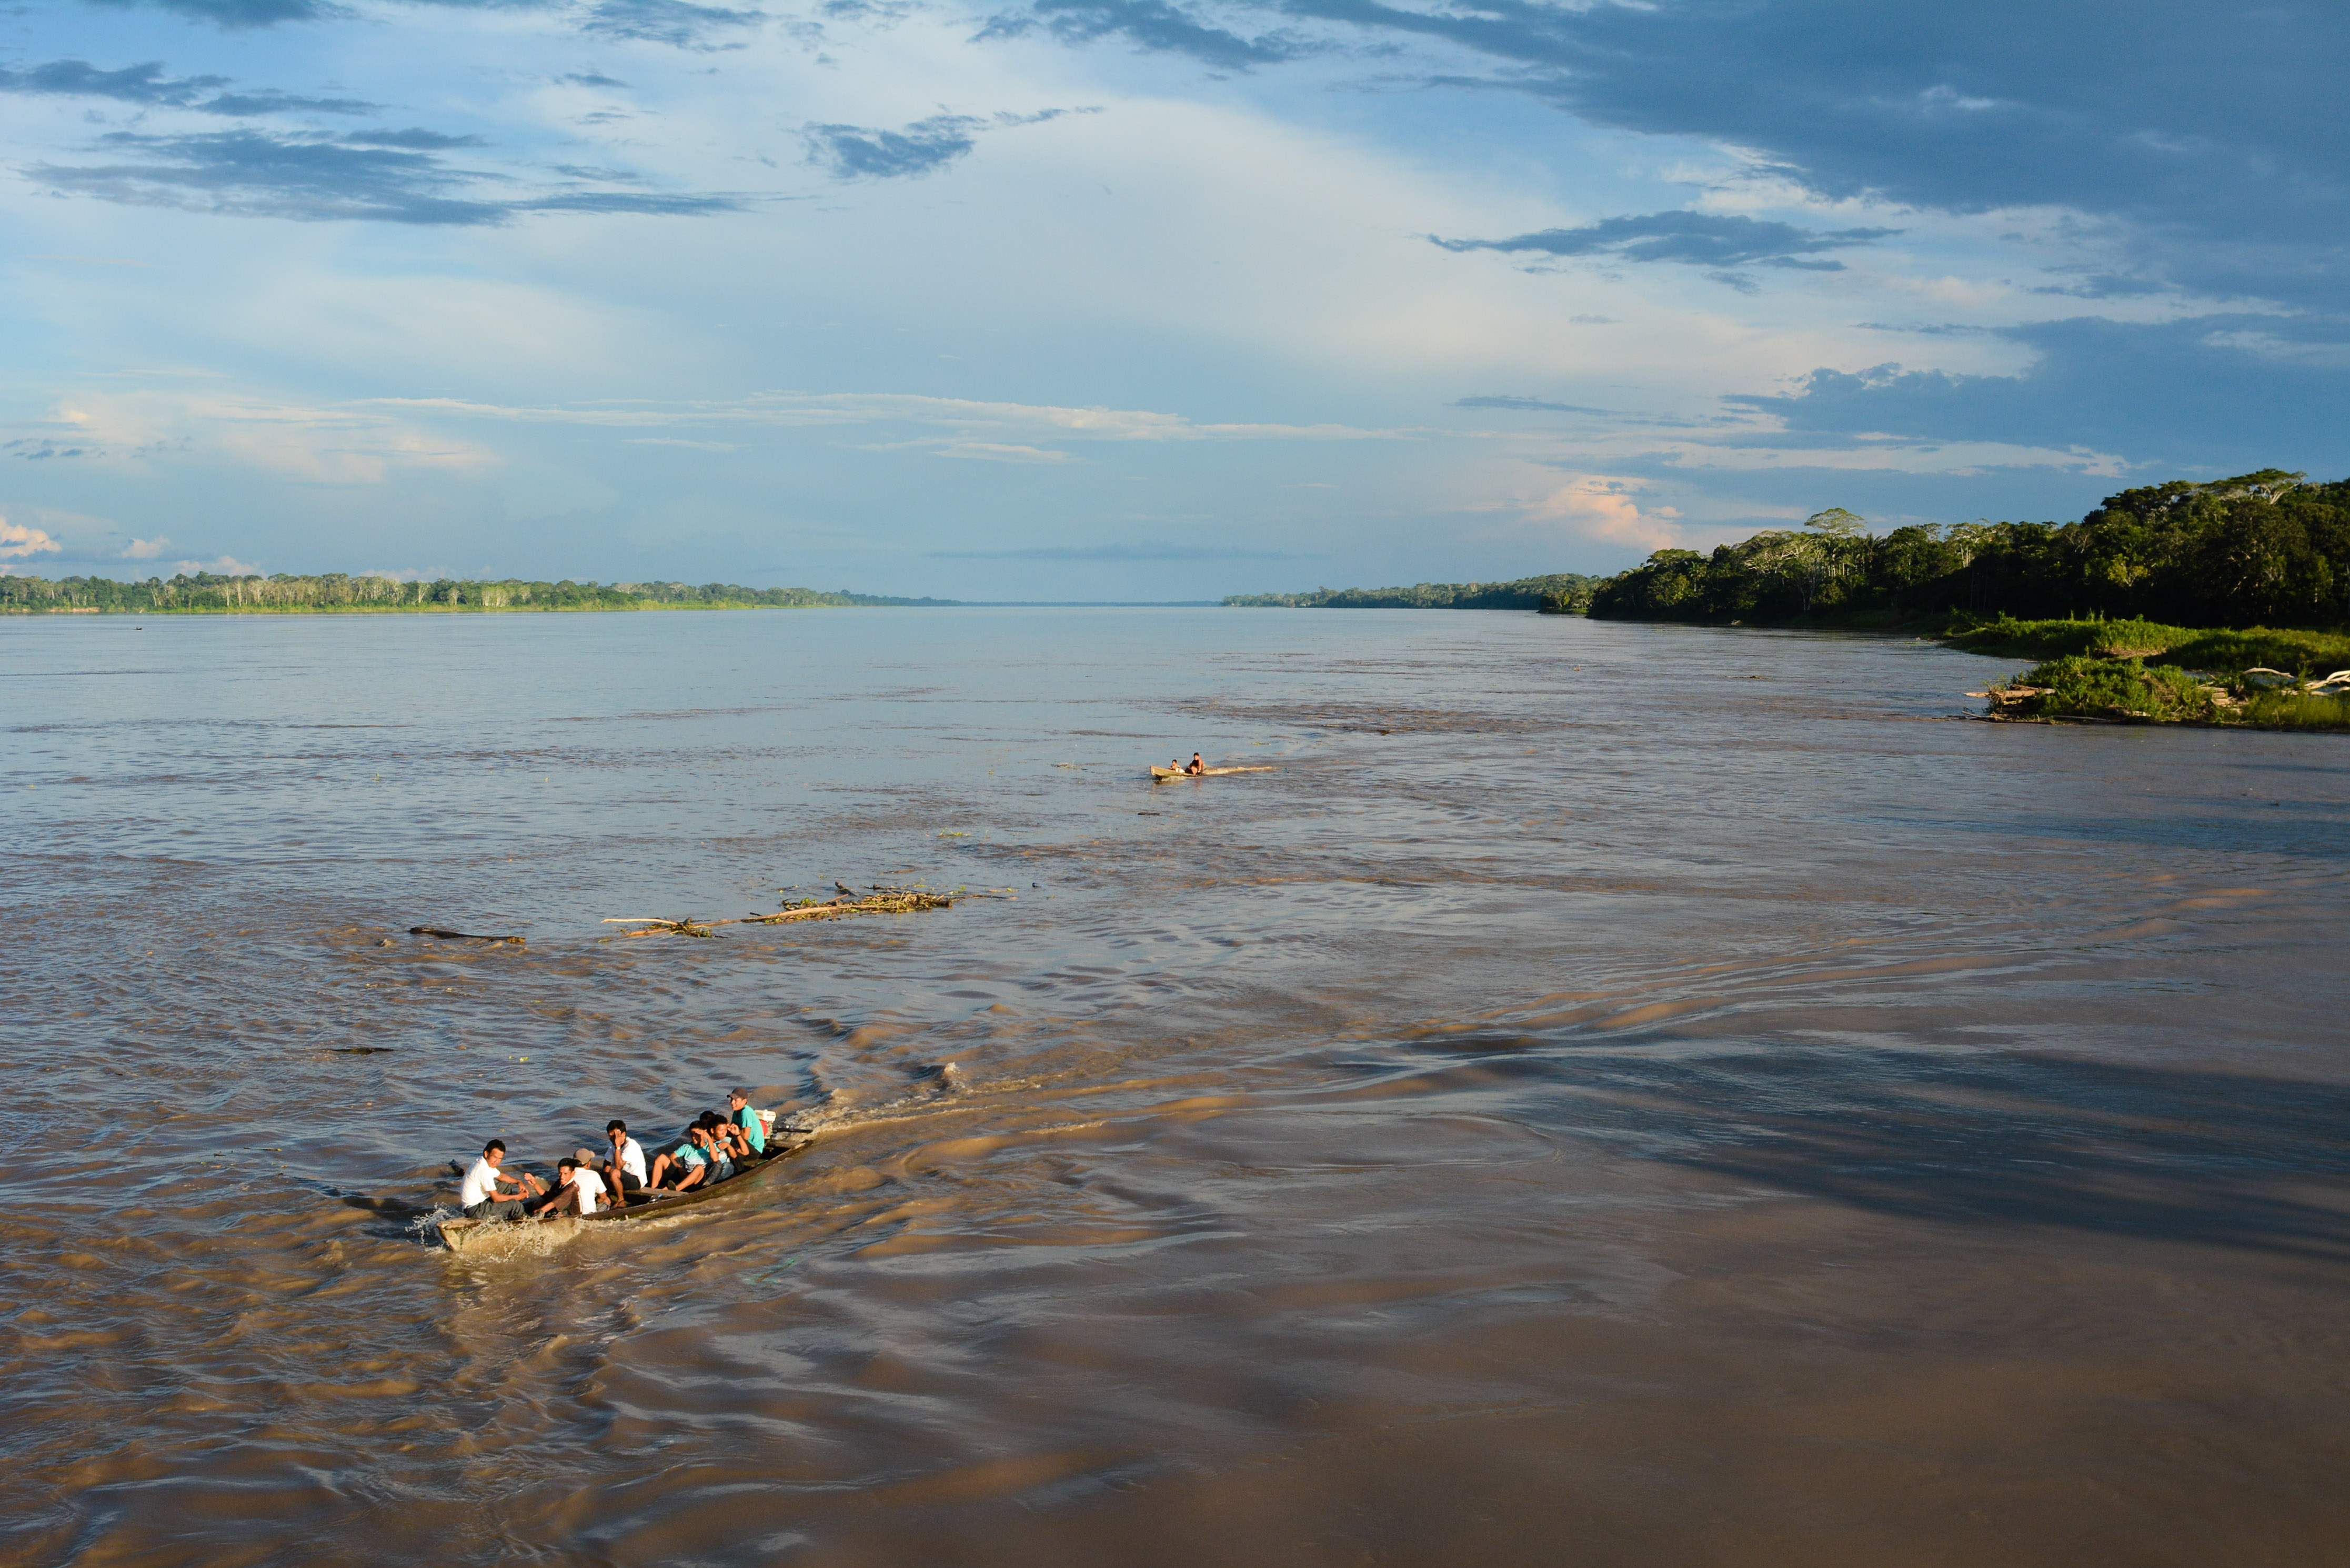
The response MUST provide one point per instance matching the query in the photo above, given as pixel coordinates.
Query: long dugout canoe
(1164, 775)
(789, 1137)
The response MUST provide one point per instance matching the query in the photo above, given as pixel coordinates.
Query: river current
(1614, 1094)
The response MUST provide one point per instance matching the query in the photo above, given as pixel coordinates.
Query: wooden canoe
(459, 1233)
(1164, 776)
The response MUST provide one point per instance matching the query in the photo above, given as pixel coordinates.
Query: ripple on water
(1618, 1084)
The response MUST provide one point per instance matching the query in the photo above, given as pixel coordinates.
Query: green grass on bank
(2079, 686)
(2217, 652)
(2085, 686)
(2294, 710)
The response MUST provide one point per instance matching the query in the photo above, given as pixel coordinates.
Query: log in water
(1676, 1117)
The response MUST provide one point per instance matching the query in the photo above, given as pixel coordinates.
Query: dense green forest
(1557, 591)
(206, 592)
(2261, 550)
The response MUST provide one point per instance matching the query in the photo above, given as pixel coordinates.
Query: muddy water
(1616, 1095)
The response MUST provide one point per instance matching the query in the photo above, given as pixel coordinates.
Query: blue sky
(1125, 298)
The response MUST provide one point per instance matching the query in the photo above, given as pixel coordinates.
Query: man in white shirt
(626, 1168)
(577, 1188)
(478, 1196)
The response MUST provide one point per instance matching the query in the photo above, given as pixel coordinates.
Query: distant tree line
(210, 593)
(2261, 550)
(1557, 591)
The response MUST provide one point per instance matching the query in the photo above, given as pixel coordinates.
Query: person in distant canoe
(1197, 765)
(625, 1170)
(480, 1197)
(578, 1188)
(754, 1131)
(1175, 765)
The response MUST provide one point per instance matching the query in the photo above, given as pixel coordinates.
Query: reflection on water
(1615, 1095)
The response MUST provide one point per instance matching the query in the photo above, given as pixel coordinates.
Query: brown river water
(1616, 1095)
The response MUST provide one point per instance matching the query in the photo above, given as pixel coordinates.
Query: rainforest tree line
(1556, 590)
(2261, 550)
(211, 593)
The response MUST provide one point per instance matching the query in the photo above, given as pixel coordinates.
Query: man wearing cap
(754, 1132)
(608, 1180)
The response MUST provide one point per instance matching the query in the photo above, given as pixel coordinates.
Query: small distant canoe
(460, 1233)
(1162, 775)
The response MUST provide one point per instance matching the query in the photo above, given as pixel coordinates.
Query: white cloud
(1601, 509)
(16, 539)
(225, 566)
(146, 549)
(293, 441)
(1875, 453)
(1736, 449)
(791, 410)
(992, 452)
(2268, 346)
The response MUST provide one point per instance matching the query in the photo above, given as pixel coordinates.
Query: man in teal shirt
(685, 1165)
(754, 1132)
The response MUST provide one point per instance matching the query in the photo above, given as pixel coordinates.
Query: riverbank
(402, 609)
(343, 593)
(1555, 593)
(2217, 649)
(2137, 671)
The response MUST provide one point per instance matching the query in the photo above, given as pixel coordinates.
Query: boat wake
(499, 1241)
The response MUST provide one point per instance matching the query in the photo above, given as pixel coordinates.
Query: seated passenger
(754, 1131)
(577, 1189)
(685, 1166)
(480, 1197)
(722, 1136)
(1197, 765)
(625, 1170)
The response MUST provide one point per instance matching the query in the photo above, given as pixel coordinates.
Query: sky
(1128, 299)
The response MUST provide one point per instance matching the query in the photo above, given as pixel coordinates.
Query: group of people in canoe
(1177, 765)
(587, 1181)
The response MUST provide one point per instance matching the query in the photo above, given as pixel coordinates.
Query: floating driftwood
(880, 901)
(459, 936)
